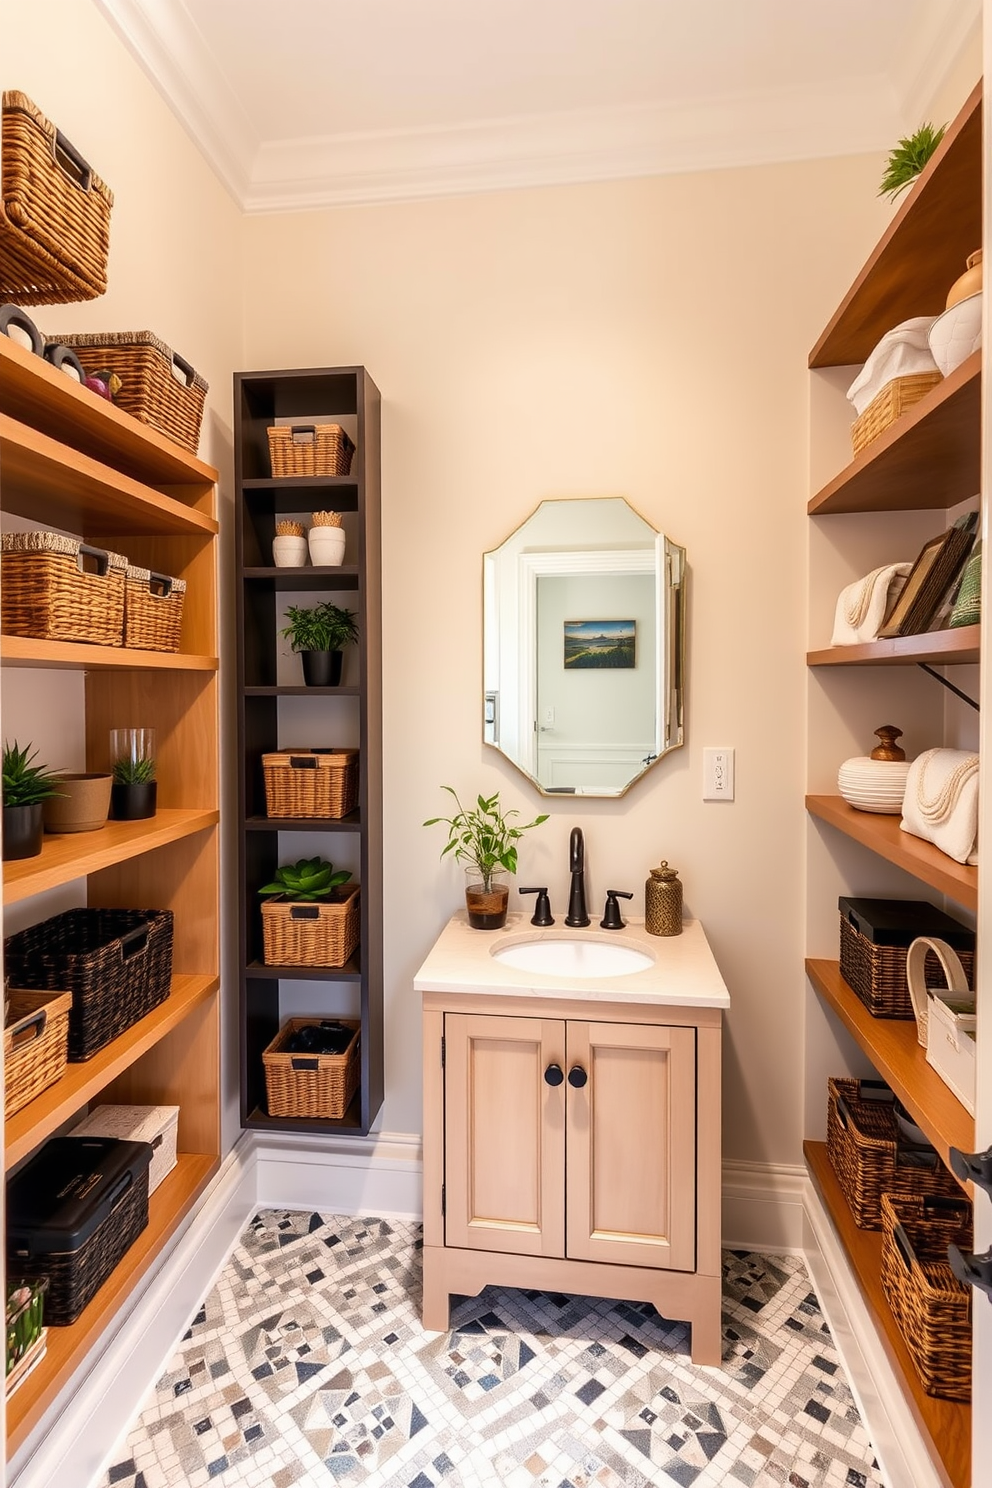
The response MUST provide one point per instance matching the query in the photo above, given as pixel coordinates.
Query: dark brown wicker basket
(57, 588)
(158, 386)
(311, 934)
(117, 963)
(311, 782)
(54, 213)
(930, 1305)
(310, 1085)
(153, 610)
(869, 1160)
(877, 973)
(309, 449)
(35, 1045)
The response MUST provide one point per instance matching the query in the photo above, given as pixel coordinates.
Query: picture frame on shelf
(932, 577)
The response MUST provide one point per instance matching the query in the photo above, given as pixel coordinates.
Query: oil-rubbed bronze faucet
(577, 913)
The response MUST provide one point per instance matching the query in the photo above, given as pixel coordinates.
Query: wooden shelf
(883, 835)
(946, 1424)
(23, 651)
(351, 1121)
(940, 647)
(81, 1082)
(301, 691)
(64, 858)
(36, 393)
(60, 487)
(936, 227)
(929, 458)
(350, 972)
(350, 823)
(301, 483)
(310, 576)
(68, 1347)
(896, 1053)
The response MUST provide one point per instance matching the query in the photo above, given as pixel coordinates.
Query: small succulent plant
(308, 879)
(138, 770)
(25, 784)
(908, 158)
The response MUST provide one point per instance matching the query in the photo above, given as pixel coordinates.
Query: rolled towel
(941, 802)
(863, 605)
(902, 352)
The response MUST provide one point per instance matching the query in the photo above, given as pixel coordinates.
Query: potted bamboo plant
(26, 788)
(484, 840)
(320, 633)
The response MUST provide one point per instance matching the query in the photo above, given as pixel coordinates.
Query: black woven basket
(117, 963)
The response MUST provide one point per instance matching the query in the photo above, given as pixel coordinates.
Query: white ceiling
(305, 103)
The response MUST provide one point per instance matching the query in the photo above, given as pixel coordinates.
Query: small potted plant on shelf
(26, 787)
(289, 546)
(320, 633)
(133, 794)
(484, 840)
(326, 539)
(310, 916)
(908, 158)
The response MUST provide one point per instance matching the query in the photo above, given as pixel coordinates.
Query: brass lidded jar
(663, 902)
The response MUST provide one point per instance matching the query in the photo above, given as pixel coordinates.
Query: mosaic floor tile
(307, 1367)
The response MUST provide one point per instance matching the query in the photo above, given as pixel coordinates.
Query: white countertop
(683, 972)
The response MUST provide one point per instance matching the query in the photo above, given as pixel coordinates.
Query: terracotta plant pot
(23, 830)
(487, 903)
(82, 804)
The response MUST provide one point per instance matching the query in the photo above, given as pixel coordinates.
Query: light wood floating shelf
(82, 1082)
(941, 433)
(940, 647)
(58, 487)
(68, 1347)
(883, 835)
(64, 858)
(898, 1056)
(23, 651)
(946, 1423)
(937, 225)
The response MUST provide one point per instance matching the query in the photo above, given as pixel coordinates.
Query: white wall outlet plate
(718, 774)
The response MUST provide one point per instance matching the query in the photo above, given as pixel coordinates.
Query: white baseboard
(763, 1207)
(379, 1174)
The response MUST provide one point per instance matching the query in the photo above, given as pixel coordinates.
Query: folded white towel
(901, 352)
(941, 802)
(863, 605)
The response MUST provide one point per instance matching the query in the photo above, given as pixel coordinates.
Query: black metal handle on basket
(134, 942)
(302, 762)
(298, 430)
(34, 1026)
(159, 585)
(101, 557)
(903, 1245)
(971, 1270)
(304, 912)
(184, 367)
(843, 1113)
(65, 155)
(304, 1064)
(117, 1194)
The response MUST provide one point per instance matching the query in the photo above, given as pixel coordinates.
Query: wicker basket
(869, 1160)
(153, 610)
(35, 1045)
(310, 1085)
(895, 399)
(117, 963)
(324, 933)
(158, 386)
(311, 782)
(49, 593)
(930, 1305)
(54, 213)
(877, 973)
(309, 449)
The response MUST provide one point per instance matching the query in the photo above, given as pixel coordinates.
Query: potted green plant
(26, 787)
(134, 792)
(320, 633)
(484, 840)
(908, 158)
(310, 915)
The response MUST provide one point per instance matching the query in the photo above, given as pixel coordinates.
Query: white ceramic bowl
(873, 785)
(957, 333)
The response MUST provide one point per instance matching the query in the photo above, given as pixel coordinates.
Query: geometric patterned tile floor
(306, 1367)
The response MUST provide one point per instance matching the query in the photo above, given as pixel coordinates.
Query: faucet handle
(542, 909)
(611, 914)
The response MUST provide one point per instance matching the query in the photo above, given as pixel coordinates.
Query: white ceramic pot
(289, 552)
(873, 785)
(326, 546)
(957, 333)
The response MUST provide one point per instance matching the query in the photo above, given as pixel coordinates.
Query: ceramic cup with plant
(320, 633)
(135, 788)
(484, 840)
(26, 788)
(289, 546)
(326, 539)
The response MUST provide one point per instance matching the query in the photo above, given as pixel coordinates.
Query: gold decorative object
(326, 519)
(663, 901)
(290, 529)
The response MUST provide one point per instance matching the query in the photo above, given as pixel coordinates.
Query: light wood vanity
(572, 1126)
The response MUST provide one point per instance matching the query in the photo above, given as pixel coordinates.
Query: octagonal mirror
(583, 646)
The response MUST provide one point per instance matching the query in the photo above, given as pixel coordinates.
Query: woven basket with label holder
(311, 782)
(153, 610)
(57, 588)
(309, 449)
(35, 1045)
(310, 1085)
(158, 386)
(322, 933)
(930, 1305)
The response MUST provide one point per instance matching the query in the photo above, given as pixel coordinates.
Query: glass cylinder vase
(486, 897)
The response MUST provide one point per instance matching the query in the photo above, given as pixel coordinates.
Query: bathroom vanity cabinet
(572, 1131)
(904, 488)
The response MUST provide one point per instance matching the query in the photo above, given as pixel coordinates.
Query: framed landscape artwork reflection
(599, 643)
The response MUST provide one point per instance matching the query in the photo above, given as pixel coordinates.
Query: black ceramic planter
(322, 668)
(23, 830)
(133, 802)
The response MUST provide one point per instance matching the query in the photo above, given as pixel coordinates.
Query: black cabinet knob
(577, 1077)
(553, 1075)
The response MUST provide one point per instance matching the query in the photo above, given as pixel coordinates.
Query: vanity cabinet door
(631, 1144)
(504, 1134)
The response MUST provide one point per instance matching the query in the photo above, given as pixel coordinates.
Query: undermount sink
(574, 958)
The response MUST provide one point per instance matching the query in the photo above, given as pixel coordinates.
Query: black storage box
(117, 963)
(73, 1211)
(875, 935)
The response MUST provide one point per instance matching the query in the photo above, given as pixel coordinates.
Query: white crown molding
(945, 28)
(163, 40)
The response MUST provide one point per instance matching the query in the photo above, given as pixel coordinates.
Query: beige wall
(645, 339)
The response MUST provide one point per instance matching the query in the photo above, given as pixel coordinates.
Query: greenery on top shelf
(483, 837)
(908, 158)
(322, 627)
(25, 784)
